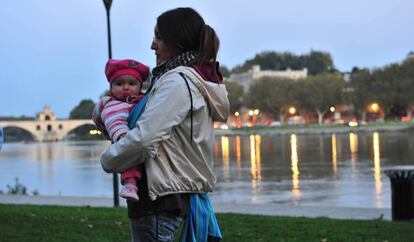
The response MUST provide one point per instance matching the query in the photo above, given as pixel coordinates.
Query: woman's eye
(157, 37)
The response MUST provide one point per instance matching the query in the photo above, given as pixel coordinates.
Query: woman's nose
(153, 46)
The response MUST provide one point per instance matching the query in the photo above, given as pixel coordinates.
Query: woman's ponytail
(208, 47)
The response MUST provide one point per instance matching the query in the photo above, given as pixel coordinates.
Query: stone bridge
(46, 127)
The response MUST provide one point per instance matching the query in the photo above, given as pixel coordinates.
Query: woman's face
(162, 51)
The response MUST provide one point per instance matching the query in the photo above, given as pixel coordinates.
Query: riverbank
(317, 129)
(240, 208)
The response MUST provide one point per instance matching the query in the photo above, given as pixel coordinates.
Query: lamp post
(1, 137)
(108, 4)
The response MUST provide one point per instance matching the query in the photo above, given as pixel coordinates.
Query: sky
(53, 52)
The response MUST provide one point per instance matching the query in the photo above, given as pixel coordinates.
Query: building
(247, 78)
(46, 114)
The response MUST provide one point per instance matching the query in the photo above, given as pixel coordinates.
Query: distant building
(346, 76)
(247, 78)
(46, 114)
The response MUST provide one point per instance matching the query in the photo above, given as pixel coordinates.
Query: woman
(173, 136)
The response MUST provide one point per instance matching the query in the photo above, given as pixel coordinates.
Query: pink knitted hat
(117, 68)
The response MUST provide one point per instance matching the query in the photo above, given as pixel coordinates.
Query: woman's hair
(183, 29)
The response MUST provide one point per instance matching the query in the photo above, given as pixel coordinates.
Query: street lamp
(292, 110)
(374, 107)
(108, 4)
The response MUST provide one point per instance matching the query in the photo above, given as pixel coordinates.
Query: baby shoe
(129, 192)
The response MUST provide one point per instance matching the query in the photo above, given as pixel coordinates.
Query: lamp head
(108, 4)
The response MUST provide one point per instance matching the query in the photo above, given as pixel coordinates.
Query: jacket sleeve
(167, 107)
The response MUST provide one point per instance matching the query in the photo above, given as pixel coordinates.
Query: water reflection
(216, 150)
(57, 168)
(225, 153)
(353, 146)
(238, 155)
(334, 154)
(295, 169)
(377, 168)
(255, 161)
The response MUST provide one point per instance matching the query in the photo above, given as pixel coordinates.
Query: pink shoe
(129, 192)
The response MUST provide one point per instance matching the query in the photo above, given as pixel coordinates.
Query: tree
(386, 88)
(407, 85)
(391, 86)
(360, 91)
(319, 93)
(299, 95)
(235, 95)
(83, 110)
(271, 95)
(224, 71)
(316, 62)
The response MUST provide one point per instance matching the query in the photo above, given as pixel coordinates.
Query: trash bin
(402, 192)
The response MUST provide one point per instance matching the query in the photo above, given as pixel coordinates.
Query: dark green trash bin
(402, 192)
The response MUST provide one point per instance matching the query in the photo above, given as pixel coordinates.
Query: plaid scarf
(183, 59)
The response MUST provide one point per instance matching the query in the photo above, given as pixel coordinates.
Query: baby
(111, 113)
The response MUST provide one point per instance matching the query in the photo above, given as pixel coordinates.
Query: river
(343, 170)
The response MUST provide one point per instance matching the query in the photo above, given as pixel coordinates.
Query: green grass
(52, 223)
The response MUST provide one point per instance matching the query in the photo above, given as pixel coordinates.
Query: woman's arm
(167, 107)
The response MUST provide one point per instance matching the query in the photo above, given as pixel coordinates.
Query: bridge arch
(71, 128)
(5, 129)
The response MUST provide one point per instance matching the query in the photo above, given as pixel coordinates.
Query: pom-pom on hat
(117, 68)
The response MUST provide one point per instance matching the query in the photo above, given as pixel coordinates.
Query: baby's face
(124, 86)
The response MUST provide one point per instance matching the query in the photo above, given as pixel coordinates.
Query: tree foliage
(83, 110)
(359, 92)
(235, 95)
(319, 93)
(271, 95)
(224, 71)
(316, 62)
(407, 85)
(391, 86)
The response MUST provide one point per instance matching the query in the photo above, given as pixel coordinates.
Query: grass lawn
(52, 223)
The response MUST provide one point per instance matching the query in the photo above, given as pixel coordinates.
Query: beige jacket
(161, 140)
